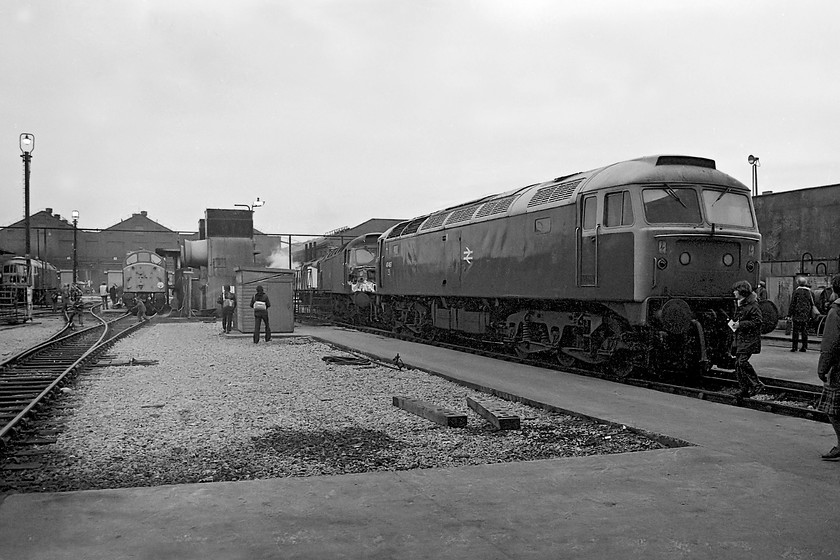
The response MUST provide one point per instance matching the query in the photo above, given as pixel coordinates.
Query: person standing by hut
(228, 303)
(260, 303)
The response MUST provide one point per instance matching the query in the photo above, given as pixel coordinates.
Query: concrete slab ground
(752, 487)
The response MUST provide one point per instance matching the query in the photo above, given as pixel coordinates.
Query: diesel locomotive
(41, 276)
(342, 283)
(144, 274)
(623, 267)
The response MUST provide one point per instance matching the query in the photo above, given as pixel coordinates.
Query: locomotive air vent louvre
(434, 221)
(413, 225)
(498, 206)
(462, 214)
(554, 193)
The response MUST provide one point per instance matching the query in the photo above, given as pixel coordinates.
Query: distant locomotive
(623, 267)
(342, 282)
(44, 278)
(144, 275)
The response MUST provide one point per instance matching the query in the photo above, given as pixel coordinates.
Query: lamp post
(27, 146)
(753, 160)
(75, 215)
(257, 203)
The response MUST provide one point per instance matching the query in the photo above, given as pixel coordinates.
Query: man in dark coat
(828, 369)
(761, 291)
(228, 303)
(801, 304)
(747, 328)
(260, 304)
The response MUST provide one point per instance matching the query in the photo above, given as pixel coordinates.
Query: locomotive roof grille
(412, 226)
(498, 206)
(434, 220)
(686, 160)
(462, 214)
(554, 193)
(398, 229)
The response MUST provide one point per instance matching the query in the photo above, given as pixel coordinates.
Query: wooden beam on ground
(498, 415)
(431, 412)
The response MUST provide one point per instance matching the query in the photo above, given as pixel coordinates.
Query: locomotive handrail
(653, 276)
(578, 257)
(597, 242)
(817, 269)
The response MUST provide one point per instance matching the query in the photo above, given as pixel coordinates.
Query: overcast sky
(335, 112)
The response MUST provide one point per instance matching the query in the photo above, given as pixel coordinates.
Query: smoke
(279, 258)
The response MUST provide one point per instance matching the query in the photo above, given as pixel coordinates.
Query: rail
(76, 348)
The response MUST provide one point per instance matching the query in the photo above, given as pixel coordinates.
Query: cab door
(588, 230)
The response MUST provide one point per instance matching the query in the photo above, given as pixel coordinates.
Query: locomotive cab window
(618, 209)
(671, 205)
(362, 256)
(590, 207)
(732, 209)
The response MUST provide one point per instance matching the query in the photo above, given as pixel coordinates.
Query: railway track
(30, 380)
(780, 396)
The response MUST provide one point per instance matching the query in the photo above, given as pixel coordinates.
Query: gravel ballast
(217, 408)
(14, 339)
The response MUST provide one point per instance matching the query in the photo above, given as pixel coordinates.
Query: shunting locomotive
(623, 267)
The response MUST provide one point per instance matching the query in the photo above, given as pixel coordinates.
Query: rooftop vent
(686, 160)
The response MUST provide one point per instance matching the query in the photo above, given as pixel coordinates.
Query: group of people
(747, 341)
(108, 293)
(72, 305)
(260, 304)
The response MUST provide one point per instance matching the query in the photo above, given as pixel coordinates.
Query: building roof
(139, 222)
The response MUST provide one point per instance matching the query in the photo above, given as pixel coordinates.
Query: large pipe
(194, 253)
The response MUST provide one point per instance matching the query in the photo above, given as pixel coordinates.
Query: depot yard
(216, 408)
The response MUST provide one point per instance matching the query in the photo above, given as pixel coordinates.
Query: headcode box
(278, 284)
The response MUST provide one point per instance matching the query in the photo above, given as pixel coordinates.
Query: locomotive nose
(675, 316)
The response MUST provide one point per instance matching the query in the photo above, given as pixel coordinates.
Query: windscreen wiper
(674, 195)
(721, 195)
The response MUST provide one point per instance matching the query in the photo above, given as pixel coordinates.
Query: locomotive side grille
(462, 214)
(554, 193)
(412, 226)
(498, 206)
(434, 221)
